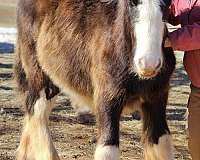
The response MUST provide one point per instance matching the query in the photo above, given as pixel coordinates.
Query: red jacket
(187, 38)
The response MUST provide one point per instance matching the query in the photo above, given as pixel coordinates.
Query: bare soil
(77, 141)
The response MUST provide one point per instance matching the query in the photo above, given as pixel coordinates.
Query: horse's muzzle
(148, 69)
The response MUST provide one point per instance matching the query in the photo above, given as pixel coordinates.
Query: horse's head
(149, 31)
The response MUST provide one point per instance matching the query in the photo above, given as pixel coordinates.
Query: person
(187, 38)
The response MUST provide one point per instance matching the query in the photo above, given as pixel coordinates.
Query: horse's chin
(147, 76)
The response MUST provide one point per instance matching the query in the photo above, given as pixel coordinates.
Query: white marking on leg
(43, 107)
(36, 142)
(162, 151)
(165, 148)
(42, 142)
(107, 153)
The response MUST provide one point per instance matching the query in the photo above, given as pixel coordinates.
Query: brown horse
(106, 54)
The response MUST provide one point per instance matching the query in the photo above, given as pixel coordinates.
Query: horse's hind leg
(36, 142)
(158, 145)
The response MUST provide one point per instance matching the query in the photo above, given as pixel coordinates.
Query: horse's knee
(31, 97)
(42, 95)
(42, 106)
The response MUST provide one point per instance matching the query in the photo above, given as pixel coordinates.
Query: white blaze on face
(149, 30)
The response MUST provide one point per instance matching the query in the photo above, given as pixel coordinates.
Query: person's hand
(167, 43)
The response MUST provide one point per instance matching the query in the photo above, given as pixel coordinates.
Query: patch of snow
(8, 35)
(8, 30)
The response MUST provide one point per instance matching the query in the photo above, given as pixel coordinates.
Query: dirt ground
(76, 141)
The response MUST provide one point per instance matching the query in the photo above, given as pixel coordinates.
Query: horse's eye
(134, 2)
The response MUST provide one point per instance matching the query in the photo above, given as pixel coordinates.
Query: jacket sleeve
(172, 16)
(186, 38)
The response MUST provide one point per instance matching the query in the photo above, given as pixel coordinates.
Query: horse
(105, 54)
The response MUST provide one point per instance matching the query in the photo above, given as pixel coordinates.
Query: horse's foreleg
(36, 142)
(108, 115)
(158, 144)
